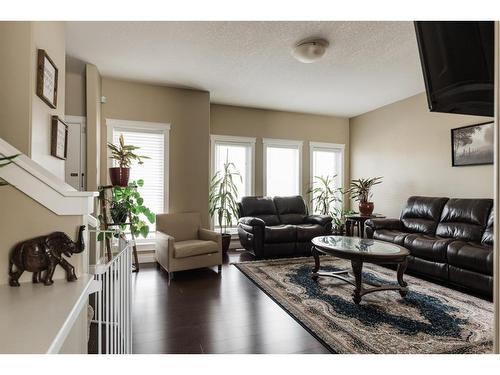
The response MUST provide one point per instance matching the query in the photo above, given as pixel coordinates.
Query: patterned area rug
(431, 319)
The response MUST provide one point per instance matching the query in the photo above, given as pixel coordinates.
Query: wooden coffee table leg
(401, 270)
(357, 268)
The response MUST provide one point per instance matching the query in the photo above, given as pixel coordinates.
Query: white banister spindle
(112, 304)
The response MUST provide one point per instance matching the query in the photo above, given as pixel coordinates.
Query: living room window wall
(282, 167)
(240, 151)
(152, 140)
(327, 162)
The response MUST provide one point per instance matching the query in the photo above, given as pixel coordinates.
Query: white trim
(43, 186)
(315, 146)
(285, 143)
(243, 141)
(144, 125)
(232, 138)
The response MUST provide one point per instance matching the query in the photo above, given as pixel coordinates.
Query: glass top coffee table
(358, 251)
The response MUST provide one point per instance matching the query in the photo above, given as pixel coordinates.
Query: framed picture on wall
(59, 138)
(46, 79)
(472, 145)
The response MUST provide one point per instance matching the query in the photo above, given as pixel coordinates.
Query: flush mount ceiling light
(310, 50)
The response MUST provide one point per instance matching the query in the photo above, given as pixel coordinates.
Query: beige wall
(49, 36)
(75, 103)
(187, 111)
(259, 123)
(16, 95)
(411, 148)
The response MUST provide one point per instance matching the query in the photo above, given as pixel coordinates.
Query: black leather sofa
(449, 239)
(279, 226)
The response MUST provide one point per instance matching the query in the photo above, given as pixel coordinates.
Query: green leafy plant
(4, 161)
(360, 189)
(125, 154)
(125, 200)
(222, 196)
(326, 199)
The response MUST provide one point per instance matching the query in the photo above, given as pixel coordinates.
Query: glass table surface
(356, 245)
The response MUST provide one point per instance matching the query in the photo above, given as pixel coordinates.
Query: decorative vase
(226, 241)
(119, 176)
(366, 208)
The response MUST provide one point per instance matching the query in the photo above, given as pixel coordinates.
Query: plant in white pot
(124, 156)
(361, 191)
(222, 200)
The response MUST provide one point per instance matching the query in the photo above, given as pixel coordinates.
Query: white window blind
(152, 144)
(282, 166)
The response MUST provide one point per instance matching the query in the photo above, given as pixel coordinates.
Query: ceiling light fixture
(310, 50)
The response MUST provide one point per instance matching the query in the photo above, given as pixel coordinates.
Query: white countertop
(35, 318)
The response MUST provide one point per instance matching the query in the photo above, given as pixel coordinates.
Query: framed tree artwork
(46, 79)
(472, 145)
(59, 138)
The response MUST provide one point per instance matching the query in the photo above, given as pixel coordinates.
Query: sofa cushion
(487, 238)
(464, 219)
(422, 214)
(280, 233)
(306, 232)
(427, 246)
(471, 256)
(260, 207)
(389, 235)
(190, 248)
(291, 210)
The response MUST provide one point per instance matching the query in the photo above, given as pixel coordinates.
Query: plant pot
(226, 241)
(119, 176)
(366, 208)
(119, 213)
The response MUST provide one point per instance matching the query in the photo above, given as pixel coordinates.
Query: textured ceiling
(368, 64)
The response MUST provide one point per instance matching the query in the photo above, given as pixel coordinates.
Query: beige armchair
(182, 244)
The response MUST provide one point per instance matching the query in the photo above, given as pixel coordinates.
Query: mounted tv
(457, 62)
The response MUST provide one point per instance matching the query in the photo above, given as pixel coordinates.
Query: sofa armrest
(164, 249)
(394, 224)
(322, 220)
(252, 221)
(209, 235)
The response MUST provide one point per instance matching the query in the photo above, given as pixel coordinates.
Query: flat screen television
(457, 62)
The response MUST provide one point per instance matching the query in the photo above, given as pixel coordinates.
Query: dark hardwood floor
(204, 312)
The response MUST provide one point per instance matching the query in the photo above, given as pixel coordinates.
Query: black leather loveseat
(449, 239)
(279, 226)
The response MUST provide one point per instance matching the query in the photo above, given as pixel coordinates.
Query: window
(282, 167)
(327, 160)
(152, 138)
(239, 151)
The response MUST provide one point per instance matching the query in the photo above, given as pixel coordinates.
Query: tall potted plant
(326, 199)
(361, 191)
(124, 155)
(222, 200)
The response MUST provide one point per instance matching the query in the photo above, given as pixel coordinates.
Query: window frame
(238, 141)
(112, 124)
(325, 146)
(281, 143)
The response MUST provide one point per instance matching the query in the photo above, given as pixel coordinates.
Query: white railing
(112, 303)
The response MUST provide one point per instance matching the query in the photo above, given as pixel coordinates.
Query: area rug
(430, 319)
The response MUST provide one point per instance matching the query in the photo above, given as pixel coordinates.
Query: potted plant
(222, 200)
(360, 191)
(124, 155)
(127, 200)
(327, 200)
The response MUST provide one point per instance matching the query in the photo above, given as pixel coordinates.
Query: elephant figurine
(44, 253)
